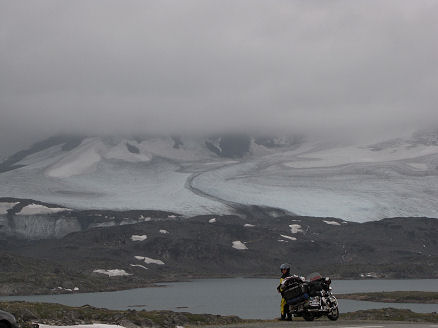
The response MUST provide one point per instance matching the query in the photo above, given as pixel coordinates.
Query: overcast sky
(121, 67)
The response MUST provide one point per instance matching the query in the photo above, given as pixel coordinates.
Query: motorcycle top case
(315, 287)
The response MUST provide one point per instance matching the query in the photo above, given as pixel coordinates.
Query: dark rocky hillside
(202, 246)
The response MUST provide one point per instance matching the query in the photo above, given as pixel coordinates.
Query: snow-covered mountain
(201, 175)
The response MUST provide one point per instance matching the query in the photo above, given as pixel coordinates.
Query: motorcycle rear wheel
(334, 314)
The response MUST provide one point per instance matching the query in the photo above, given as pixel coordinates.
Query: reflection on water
(245, 297)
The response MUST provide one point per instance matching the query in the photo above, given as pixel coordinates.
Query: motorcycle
(310, 298)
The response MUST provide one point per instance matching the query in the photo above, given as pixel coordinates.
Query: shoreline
(417, 297)
(163, 284)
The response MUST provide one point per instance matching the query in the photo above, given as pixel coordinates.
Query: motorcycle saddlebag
(296, 300)
(294, 292)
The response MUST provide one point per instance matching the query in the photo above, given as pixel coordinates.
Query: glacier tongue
(42, 226)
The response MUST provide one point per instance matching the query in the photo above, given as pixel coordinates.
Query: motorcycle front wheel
(334, 314)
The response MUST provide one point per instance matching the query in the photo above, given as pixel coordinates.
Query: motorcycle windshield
(314, 276)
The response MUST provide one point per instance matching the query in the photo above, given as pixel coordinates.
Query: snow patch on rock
(237, 244)
(164, 231)
(295, 228)
(144, 219)
(212, 220)
(139, 237)
(139, 265)
(148, 260)
(113, 272)
(247, 225)
(288, 237)
(332, 222)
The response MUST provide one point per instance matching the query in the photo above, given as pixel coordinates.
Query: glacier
(353, 182)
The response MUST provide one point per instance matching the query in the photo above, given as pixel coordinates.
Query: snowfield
(355, 182)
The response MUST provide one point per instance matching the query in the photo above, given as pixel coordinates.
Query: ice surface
(237, 244)
(42, 226)
(353, 183)
(113, 185)
(418, 166)
(363, 154)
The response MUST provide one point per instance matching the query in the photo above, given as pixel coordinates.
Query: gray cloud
(199, 66)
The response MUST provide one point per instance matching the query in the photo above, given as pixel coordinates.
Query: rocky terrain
(390, 314)
(128, 249)
(61, 315)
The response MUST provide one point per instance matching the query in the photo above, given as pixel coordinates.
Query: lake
(245, 297)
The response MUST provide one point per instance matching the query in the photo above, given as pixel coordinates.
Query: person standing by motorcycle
(284, 308)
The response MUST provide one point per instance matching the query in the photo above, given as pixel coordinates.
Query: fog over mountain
(357, 68)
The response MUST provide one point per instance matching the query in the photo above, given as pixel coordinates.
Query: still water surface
(245, 297)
